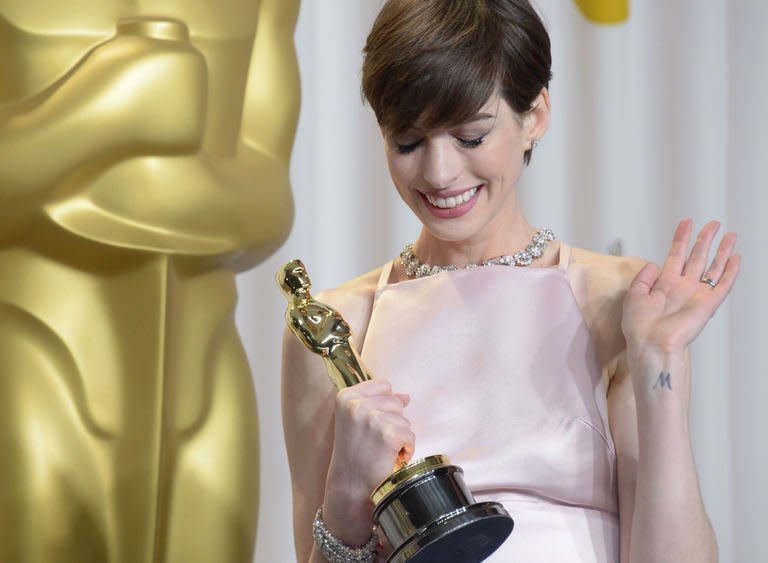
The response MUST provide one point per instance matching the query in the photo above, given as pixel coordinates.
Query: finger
(404, 398)
(724, 251)
(732, 267)
(390, 403)
(675, 261)
(405, 455)
(395, 431)
(697, 260)
(370, 408)
(369, 388)
(645, 279)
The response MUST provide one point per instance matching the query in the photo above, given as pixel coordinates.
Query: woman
(560, 382)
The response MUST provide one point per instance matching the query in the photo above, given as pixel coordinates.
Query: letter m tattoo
(664, 380)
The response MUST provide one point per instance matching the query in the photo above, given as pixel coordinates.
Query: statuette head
(293, 279)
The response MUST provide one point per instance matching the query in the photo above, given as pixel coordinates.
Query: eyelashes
(406, 149)
(471, 143)
(465, 143)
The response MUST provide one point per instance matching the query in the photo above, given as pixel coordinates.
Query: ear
(537, 119)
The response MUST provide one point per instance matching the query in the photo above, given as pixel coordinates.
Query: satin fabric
(504, 379)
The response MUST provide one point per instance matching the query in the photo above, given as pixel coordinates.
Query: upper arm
(307, 406)
(308, 403)
(600, 284)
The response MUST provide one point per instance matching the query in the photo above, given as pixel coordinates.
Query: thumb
(645, 279)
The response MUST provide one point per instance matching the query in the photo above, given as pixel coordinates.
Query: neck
(512, 238)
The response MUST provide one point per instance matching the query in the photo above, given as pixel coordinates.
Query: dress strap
(565, 256)
(386, 269)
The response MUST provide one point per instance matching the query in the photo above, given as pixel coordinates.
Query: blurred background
(655, 118)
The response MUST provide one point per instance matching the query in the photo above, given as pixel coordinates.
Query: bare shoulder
(606, 272)
(599, 283)
(354, 300)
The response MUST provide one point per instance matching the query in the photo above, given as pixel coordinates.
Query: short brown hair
(435, 63)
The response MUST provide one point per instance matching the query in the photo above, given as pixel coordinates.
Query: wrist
(661, 381)
(335, 550)
(652, 357)
(343, 482)
(347, 512)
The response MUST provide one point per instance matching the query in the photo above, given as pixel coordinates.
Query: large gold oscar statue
(144, 152)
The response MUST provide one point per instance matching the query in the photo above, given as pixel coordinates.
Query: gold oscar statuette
(144, 157)
(424, 509)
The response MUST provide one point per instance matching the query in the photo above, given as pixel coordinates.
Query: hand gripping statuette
(424, 509)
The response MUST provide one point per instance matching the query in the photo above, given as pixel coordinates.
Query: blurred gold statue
(144, 153)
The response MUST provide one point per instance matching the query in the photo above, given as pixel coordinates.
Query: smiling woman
(467, 91)
(561, 388)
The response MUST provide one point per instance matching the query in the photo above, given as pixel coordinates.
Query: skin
(642, 318)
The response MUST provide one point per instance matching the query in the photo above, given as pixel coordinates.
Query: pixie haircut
(435, 63)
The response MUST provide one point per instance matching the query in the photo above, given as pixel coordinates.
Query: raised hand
(666, 308)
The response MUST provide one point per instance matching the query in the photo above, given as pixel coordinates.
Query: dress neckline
(563, 260)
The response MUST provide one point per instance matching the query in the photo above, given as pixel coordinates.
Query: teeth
(451, 202)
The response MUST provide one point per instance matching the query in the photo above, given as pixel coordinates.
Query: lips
(452, 201)
(452, 204)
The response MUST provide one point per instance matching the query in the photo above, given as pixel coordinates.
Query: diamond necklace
(415, 269)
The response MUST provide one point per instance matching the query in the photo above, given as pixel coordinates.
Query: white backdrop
(655, 119)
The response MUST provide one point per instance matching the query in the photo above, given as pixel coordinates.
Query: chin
(453, 233)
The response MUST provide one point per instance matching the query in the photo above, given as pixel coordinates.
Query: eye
(471, 143)
(407, 148)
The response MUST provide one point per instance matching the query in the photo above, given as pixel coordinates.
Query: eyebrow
(480, 117)
(477, 117)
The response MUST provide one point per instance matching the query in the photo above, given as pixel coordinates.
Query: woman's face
(461, 181)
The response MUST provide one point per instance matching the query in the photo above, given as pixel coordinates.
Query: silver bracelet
(336, 551)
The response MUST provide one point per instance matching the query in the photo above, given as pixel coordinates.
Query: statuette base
(427, 513)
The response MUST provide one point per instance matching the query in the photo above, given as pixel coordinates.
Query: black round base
(467, 536)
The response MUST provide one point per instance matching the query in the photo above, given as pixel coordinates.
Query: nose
(440, 164)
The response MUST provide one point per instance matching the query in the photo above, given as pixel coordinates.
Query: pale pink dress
(504, 379)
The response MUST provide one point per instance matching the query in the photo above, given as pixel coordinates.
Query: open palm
(667, 307)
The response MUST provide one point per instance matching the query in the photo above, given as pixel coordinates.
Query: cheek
(402, 170)
(508, 153)
(498, 162)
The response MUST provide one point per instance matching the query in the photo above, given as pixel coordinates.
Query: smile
(453, 201)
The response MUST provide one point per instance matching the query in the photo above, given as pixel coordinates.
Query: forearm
(347, 512)
(669, 521)
(346, 515)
